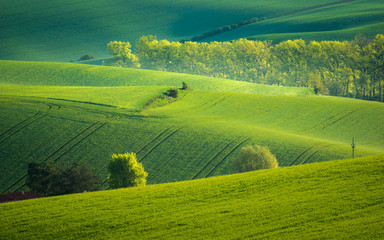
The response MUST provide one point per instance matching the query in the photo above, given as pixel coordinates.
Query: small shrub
(185, 86)
(173, 92)
(254, 158)
(86, 57)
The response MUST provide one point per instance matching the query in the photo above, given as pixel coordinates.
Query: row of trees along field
(349, 68)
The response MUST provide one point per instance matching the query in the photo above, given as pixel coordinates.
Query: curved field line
(94, 127)
(346, 115)
(160, 143)
(213, 102)
(99, 125)
(306, 160)
(159, 135)
(221, 162)
(36, 147)
(301, 154)
(210, 161)
(23, 124)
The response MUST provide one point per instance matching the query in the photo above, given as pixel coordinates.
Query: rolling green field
(98, 112)
(331, 200)
(67, 29)
(336, 22)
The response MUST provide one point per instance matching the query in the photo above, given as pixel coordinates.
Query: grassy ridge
(337, 22)
(338, 200)
(67, 74)
(66, 30)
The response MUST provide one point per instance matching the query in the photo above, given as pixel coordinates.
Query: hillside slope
(197, 136)
(335, 22)
(67, 29)
(332, 200)
(68, 74)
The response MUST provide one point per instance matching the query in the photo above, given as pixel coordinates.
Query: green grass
(68, 74)
(337, 22)
(197, 136)
(333, 200)
(66, 30)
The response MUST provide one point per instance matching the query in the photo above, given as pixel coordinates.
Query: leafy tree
(254, 158)
(40, 177)
(125, 171)
(51, 180)
(122, 54)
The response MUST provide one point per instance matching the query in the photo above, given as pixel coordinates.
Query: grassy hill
(335, 22)
(99, 112)
(332, 200)
(67, 29)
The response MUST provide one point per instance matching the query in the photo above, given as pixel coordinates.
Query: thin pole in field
(353, 147)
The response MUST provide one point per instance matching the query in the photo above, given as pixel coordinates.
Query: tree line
(348, 68)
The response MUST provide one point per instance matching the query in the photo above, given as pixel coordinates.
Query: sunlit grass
(332, 200)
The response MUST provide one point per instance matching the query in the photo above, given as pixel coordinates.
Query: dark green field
(66, 30)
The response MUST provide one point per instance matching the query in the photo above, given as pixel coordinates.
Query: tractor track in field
(318, 150)
(301, 154)
(53, 134)
(153, 140)
(222, 161)
(64, 148)
(325, 123)
(213, 158)
(163, 140)
(25, 123)
(222, 97)
(340, 118)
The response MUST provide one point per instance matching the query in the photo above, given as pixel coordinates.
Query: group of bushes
(350, 68)
(50, 179)
(169, 96)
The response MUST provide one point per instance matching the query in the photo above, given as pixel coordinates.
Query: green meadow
(336, 22)
(66, 113)
(66, 30)
(52, 110)
(330, 200)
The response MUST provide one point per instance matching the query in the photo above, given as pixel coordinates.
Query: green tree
(122, 54)
(254, 158)
(40, 177)
(50, 180)
(125, 171)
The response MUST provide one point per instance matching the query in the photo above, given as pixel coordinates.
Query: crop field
(65, 30)
(337, 199)
(62, 110)
(336, 22)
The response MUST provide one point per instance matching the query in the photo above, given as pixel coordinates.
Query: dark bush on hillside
(185, 86)
(86, 57)
(51, 180)
(254, 158)
(173, 92)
